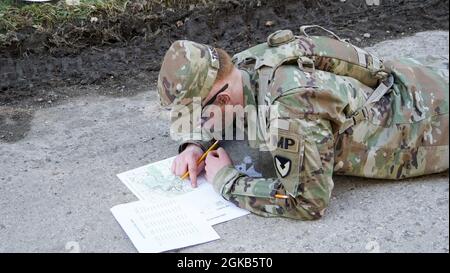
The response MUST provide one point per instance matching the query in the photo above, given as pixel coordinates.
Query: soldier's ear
(223, 98)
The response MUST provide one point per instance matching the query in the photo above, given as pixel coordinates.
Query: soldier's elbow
(311, 210)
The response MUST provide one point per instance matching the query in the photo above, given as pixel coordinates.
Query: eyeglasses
(211, 100)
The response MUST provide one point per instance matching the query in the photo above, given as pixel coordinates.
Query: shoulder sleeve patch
(285, 141)
(283, 165)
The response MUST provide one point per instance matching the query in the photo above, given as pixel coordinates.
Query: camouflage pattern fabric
(404, 134)
(188, 70)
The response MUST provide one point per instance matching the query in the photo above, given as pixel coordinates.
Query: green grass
(4, 4)
(48, 15)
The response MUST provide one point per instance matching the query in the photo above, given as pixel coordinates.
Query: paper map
(153, 181)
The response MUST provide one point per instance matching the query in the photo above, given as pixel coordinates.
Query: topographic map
(155, 181)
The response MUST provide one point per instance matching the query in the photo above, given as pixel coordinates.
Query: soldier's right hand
(187, 161)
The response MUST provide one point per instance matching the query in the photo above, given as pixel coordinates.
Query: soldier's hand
(215, 161)
(187, 161)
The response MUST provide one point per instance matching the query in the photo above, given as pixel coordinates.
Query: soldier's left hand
(214, 162)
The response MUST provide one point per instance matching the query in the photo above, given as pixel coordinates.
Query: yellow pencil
(281, 196)
(202, 157)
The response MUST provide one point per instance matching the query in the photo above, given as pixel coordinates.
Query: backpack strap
(364, 112)
(304, 28)
(381, 90)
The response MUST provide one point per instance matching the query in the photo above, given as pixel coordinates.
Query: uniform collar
(248, 88)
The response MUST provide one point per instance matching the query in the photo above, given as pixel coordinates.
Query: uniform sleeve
(303, 159)
(203, 144)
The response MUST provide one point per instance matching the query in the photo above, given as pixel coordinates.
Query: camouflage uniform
(324, 125)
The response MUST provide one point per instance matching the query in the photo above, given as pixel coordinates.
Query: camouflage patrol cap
(188, 70)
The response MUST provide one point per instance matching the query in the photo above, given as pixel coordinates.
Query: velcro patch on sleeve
(285, 141)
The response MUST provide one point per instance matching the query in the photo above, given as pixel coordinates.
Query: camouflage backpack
(331, 54)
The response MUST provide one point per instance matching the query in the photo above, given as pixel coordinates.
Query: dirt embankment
(114, 50)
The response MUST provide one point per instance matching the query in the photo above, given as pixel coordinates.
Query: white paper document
(155, 182)
(211, 205)
(161, 226)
